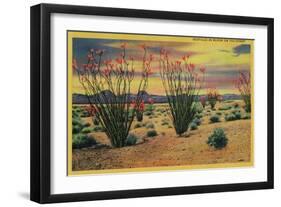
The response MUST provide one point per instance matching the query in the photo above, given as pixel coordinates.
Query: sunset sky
(223, 58)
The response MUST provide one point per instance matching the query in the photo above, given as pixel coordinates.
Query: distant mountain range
(83, 99)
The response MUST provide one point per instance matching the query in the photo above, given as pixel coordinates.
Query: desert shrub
(152, 133)
(138, 125)
(163, 110)
(98, 129)
(85, 113)
(82, 140)
(247, 116)
(198, 107)
(149, 125)
(230, 117)
(76, 121)
(76, 129)
(198, 115)
(95, 121)
(164, 123)
(224, 108)
(237, 115)
(193, 126)
(170, 126)
(217, 139)
(78, 109)
(86, 124)
(236, 111)
(148, 113)
(234, 115)
(86, 130)
(214, 118)
(197, 121)
(131, 140)
(218, 113)
(149, 107)
(236, 105)
(75, 114)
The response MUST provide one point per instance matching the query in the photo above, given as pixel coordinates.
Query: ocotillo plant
(243, 84)
(213, 97)
(203, 101)
(139, 110)
(182, 82)
(108, 88)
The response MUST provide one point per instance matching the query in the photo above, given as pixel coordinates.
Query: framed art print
(133, 103)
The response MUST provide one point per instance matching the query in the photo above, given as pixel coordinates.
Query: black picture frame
(41, 96)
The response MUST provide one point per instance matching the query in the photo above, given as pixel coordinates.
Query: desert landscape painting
(143, 102)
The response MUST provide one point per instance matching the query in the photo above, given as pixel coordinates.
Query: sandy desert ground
(168, 149)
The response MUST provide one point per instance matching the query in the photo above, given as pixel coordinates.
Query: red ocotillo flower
(150, 101)
(141, 107)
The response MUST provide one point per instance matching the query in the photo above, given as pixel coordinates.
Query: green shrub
(193, 126)
(78, 109)
(86, 124)
(75, 114)
(148, 113)
(81, 140)
(95, 121)
(236, 111)
(86, 130)
(214, 118)
(198, 115)
(152, 133)
(76, 121)
(230, 117)
(149, 107)
(131, 140)
(98, 129)
(198, 107)
(76, 129)
(224, 108)
(138, 125)
(247, 116)
(237, 115)
(217, 139)
(197, 121)
(85, 114)
(150, 125)
(236, 105)
(218, 113)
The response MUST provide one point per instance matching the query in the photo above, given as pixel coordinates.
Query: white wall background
(14, 104)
